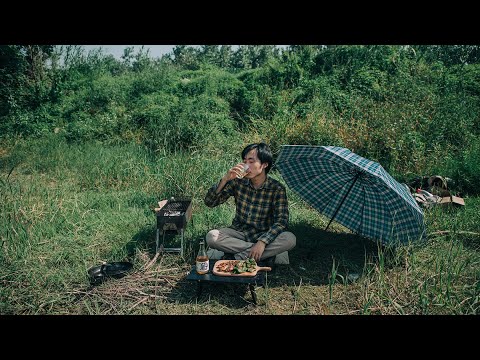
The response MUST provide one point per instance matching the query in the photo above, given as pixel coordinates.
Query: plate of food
(246, 267)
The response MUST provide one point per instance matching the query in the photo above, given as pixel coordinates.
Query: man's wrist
(220, 186)
(263, 241)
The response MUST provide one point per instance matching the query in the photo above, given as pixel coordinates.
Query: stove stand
(172, 218)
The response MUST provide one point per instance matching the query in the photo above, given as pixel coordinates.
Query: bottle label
(202, 266)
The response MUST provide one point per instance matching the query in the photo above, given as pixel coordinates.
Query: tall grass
(66, 207)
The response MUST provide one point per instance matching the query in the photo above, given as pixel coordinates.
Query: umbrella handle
(348, 192)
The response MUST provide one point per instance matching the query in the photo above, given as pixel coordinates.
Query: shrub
(187, 123)
(463, 168)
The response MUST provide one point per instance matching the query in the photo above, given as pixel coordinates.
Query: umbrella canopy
(354, 191)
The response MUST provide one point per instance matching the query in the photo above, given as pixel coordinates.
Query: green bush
(463, 167)
(398, 105)
(160, 78)
(174, 124)
(213, 82)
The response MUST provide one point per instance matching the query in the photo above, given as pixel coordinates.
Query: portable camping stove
(173, 218)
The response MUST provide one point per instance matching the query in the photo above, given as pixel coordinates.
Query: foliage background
(415, 109)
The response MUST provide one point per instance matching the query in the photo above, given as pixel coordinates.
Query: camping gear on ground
(117, 270)
(435, 200)
(452, 200)
(172, 218)
(354, 191)
(434, 190)
(440, 195)
(438, 185)
(426, 199)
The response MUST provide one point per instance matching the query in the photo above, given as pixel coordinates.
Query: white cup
(243, 172)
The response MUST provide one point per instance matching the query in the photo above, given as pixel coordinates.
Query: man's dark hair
(263, 152)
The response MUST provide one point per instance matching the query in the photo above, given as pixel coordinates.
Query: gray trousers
(232, 241)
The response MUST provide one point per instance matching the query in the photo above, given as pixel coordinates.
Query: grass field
(67, 207)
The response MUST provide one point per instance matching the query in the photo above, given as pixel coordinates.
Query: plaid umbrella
(356, 192)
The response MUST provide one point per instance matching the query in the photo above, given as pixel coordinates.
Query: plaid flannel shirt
(261, 214)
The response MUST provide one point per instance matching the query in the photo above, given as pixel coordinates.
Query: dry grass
(152, 282)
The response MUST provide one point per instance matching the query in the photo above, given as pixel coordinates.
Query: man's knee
(290, 239)
(212, 237)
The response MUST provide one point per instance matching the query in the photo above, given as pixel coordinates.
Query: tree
(12, 76)
(186, 57)
(241, 58)
(225, 56)
(210, 54)
(23, 74)
(449, 54)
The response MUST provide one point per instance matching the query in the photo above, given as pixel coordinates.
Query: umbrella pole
(348, 192)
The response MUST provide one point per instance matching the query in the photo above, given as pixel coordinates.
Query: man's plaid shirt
(261, 214)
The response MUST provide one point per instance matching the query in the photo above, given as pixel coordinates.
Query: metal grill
(172, 218)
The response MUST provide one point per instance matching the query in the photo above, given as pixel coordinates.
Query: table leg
(199, 288)
(181, 241)
(253, 292)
